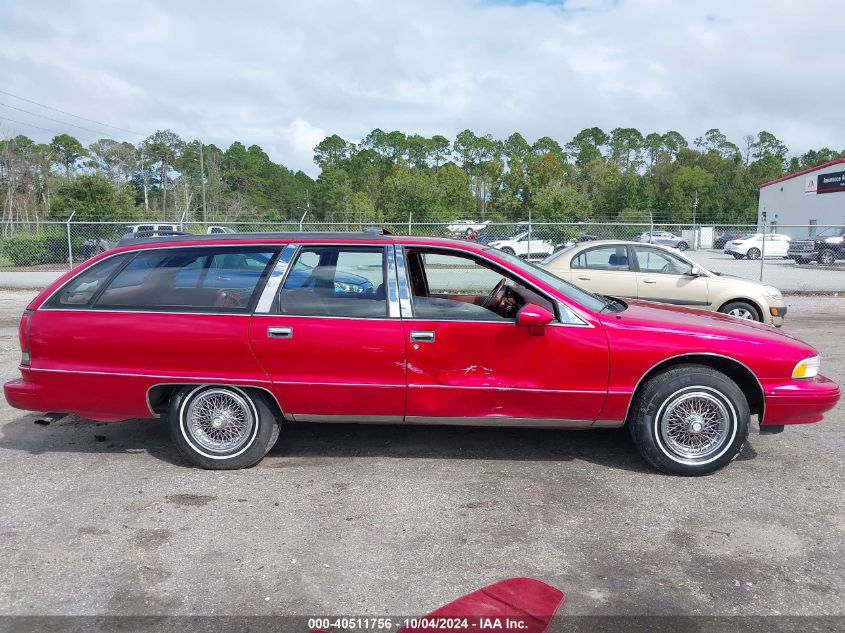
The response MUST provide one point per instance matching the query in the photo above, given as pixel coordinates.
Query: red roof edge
(836, 161)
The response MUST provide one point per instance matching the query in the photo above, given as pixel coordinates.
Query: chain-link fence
(794, 257)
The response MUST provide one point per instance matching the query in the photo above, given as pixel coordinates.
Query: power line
(37, 127)
(76, 116)
(44, 116)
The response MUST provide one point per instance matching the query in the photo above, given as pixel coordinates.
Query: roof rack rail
(154, 237)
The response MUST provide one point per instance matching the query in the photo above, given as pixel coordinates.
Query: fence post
(528, 253)
(69, 242)
(410, 215)
(763, 248)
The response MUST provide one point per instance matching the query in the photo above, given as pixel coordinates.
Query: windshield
(576, 294)
(834, 231)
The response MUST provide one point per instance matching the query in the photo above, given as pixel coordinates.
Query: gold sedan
(655, 273)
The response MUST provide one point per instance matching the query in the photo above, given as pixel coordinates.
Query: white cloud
(283, 76)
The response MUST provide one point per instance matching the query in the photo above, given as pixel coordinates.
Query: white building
(811, 198)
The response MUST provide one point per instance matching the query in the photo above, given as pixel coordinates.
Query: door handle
(649, 281)
(422, 337)
(584, 277)
(279, 332)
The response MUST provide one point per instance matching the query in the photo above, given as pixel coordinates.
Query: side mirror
(695, 271)
(534, 317)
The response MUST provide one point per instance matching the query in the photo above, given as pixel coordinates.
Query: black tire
(256, 442)
(742, 306)
(753, 253)
(827, 257)
(801, 260)
(682, 246)
(672, 386)
(508, 250)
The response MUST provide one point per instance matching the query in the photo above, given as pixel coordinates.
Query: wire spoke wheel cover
(696, 425)
(219, 421)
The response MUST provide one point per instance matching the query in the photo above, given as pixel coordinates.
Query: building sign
(829, 183)
(810, 185)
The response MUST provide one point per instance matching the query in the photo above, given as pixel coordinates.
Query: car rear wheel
(508, 250)
(690, 420)
(753, 253)
(742, 310)
(827, 257)
(222, 427)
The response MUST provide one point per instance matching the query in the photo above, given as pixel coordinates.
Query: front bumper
(799, 401)
(776, 314)
(799, 255)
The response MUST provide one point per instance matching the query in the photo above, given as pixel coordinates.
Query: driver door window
(454, 287)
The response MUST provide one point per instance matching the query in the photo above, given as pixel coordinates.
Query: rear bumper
(24, 395)
(799, 401)
(102, 397)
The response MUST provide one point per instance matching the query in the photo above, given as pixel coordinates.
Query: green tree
(67, 151)
(94, 199)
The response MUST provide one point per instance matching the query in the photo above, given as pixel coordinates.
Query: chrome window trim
(271, 288)
(393, 307)
(197, 312)
(405, 308)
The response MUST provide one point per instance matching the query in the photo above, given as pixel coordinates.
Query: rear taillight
(23, 336)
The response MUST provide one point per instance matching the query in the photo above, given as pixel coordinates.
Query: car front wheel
(753, 253)
(508, 250)
(827, 257)
(690, 420)
(742, 310)
(222, 427)
(683, 246)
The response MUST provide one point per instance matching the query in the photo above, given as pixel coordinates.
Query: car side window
(80, 291)
(336, 281)
(196, 280)
(453, 287)
(652, 260)
(612, 257)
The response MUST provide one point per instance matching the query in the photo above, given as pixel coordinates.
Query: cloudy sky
(286, 74)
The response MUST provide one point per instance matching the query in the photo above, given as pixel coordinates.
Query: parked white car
(215, 229)
(461, 226)
(520, 246)
(752, 246)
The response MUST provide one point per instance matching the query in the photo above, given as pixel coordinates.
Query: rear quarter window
(197, 280)
(80, 291)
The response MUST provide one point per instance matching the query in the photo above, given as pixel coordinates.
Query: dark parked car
(824, 248)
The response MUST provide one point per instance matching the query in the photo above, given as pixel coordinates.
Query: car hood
(734, 281)
(701, 323)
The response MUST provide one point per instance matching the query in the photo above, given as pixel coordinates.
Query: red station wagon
(234, 336)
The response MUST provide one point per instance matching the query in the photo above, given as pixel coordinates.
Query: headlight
(339, 286)
(773, 292)
(807, 368)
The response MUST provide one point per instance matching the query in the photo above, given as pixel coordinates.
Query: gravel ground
(345, 519)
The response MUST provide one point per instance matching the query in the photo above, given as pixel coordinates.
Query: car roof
(365, 237)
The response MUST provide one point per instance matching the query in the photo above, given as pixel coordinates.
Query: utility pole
(694, 231)
(202, 181)
(144, 179)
